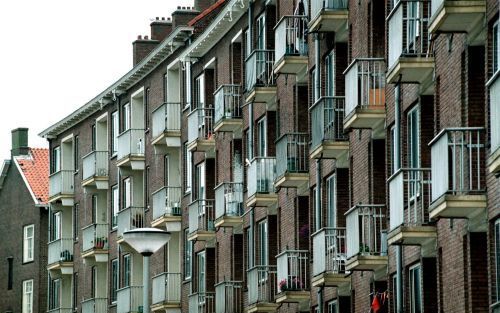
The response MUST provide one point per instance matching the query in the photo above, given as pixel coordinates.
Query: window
(127, 193)
(331, 201)
(189, 173)
(56, 226)
(94, 281)
(76, 212)
(28, 296)
(146, 106)
(413, 138)
(126, 117)
(10, 273)
(54, 294)
(200, 91)
(188, 251)
(415, 292)
(332, 306)
(330, 74)
(114, 131)
(497, 258)
(165, 87)
(127, 266)
(413, 25)
(201, 272)
(314, 84)
(146, 187)
(75, 291)
(317, 209)
(115, 206)
(200, 181)
(496, 50)
(28, 243)
(248, 42)
(262, 137)
(165, 170)
(261, 32)
(263, 243)
(395, 293)
(56, 159)
(114, 280)
(394, 150)
(94, 129)
(249, 248)
(76, 154)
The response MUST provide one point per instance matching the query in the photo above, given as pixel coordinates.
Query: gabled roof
(3, 171)
(34, 168)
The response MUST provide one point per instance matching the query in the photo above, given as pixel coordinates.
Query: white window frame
(57, 225)
(262, 136)
(28, 296)
(260, 27)
(28, 243)
(413, 117)
(263, 242)
(331, 200)
(115, 198)
(332, 306)
(127, 190)
(189, 169)
(413, 296)
(395, 149)
(115, 129)
(330, 74)
(127, 270)
(126, 116)
(200, 86)
(188, 256)
(202, 272)
(202, 189)
(57, 159)
(115, 264)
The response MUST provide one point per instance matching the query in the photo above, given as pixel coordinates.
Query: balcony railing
(329, 250)
(167, 288)
(130, 218)
(259, 69)
(129, 300)
(292, 154)
(95, 164)
(229, 200)
(201, 124)
(95, 236)
(291, 36)
(293, 270)
(410, 196)
(262, 284)
(202, 302)
(62, 182)
(166, 118)
(366, 234)
(60, 310)
(61, 250)
(261, 175)
(167, 202)
(457, 156)
(228, 297)
(327, 118)
(131, 142)
(201, 216)
(95, 305)
(227, 102)
(318, 6)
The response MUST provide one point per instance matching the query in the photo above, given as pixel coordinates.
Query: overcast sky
(55, 55)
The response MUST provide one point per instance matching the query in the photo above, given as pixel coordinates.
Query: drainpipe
(399, 249)
(250, 105)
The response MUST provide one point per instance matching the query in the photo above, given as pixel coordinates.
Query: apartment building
(306, 156)
(24, 188)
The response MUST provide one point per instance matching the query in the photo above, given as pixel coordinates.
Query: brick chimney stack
(182, 16)
(19, 142)
(202, 5)
(142, 47)
(161, 28)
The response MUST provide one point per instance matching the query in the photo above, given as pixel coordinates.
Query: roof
(209, 10)
(3, 171)
(34, 168)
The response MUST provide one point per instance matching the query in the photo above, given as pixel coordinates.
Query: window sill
(28, 262)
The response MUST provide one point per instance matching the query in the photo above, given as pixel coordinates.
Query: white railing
(228, 297)
(130, 218)
(202, 302)
(261, 175)
(262, 285)
(494, 89)
(62, 182)
(95, 164)
(95, 236)
(457, 156)
(366, 230)
(167, 288)
(201, 216)
(327, 120)
(167, 202)
(131, 142)
(329, 250)
(60, 250)
(291, 36)
(95, 305)
(317, 6)
(365, 84)
(293, 270)
(166, 117)
(292, 154)
(60, 310)
(129, 300)
(409, 197)
(201, 124)
(259, 69)
(229, 200)
(227, 102)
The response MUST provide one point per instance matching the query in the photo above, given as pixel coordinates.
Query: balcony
(329, 256)
(262, 288)
(291, 46)
(458, 180)
(95, 170)
(493, 161)
(260, 79)
(128, 219)
(410, 196)
(95, 305)
(167, 210)
(330, 16)
(129, 300)
(201, 220)
(95, 242)
(366, 238)
(62, 187)
(60, 256)
(410, 57)
(131, 146)
(229, 205)
(365, 96)
(293, 276)
(201, 130)
(228, 297)
(292, 161)
(228, 109)
(166, 125)
(166, 292)
(61, 310)
(260, 179)
(202, 302)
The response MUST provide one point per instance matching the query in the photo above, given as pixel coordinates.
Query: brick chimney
(182, 16)
(202, 5)
(161, 28)
(142, 47)
(19, 142)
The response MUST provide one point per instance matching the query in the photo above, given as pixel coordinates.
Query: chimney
(19, 142)
(142, 47)
(160, 29)
(182, 16)
(202, 5)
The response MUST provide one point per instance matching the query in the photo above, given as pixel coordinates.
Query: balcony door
(202, 273)
(261, 32)
(263, 243)
(262, 137)
(413, 128)
(201, 181)
(330, 74)
(56, 157)
(126, 117)
(331, 201)
(55, 294)
(127, 192)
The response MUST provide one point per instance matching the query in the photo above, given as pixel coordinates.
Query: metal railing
(202, 302)
(494, 90)
(293, 270)
(327, 120)
(129, 300)
(60, 250)
(201, 216)
(95, 236)
(167, 202)
(227, 102)
(259, 69)
(408, 30)
(95, 164)
(201, 124)
(457, 156)
(292, 154)
(130, 218)
(365, 84)
(291, 36)
(95, 305)
(60, 310)
(329, 250)
(261, 175)
(167, 288)
(131, 142)
(318, 6)
(366, 230)
(62, 182)
(409, 197)
(228, 297)
(229, 200)
(166, 117)
(262, 284)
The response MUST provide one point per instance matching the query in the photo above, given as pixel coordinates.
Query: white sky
(55, 55)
